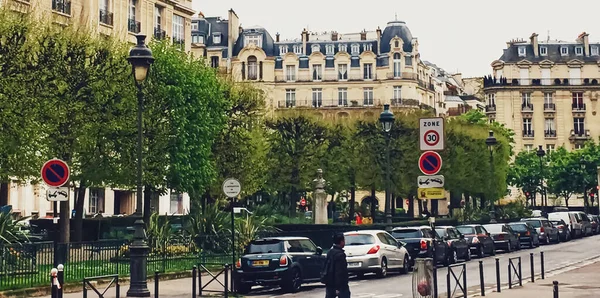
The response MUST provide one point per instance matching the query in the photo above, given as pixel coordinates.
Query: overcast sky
(464, 35)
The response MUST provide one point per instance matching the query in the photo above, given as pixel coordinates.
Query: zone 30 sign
(431, 134)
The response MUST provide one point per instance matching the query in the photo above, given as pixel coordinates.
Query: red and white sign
(431, 134)
(55, 173)
(431, 138)
(430, 163)
(303, 202)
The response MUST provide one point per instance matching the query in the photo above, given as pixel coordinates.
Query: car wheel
(480, 252)
(493, 252)
(294, 284)
(468, 255)
(509, 247)
(405, 265)
(383, 271)
(244, 289)
(530, 243)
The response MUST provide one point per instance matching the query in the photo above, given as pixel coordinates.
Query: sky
(460, 36)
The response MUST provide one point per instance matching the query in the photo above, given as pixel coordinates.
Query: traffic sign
(57, 194)
(55, 173)
(303, 202)
(430, 181)
(431, 134)
(430, 163)
(231, 187)
(433, 193)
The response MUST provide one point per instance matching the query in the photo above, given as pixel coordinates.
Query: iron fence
(459, 280)
(514, 272)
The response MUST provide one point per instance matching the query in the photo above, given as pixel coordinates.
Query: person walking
(335, 275)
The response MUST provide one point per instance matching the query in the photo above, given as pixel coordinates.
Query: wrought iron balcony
(327, 103)
(404, 102)
(580, 134)
(62, 6)
(527, 107)
(159, 33)
(549, 107)
(578, 107)
(133, 26)
(106, 17)
(550, 133)
(179, 42)
(528, 134)
(490, 108)
(490, 81)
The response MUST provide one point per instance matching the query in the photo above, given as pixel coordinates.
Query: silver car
(375, 251)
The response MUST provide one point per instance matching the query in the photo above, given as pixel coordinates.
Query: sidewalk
(576, 283)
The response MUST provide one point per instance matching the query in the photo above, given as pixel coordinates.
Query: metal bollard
(520, 274)
(194, 272)
(448, 286)
(531, 266)
(555, 288)
(54, 289)
(117, 287)
(498, 276)
(509, 276)
(61, 279)
(226, 284)
(156, 280)
(200, 280)
(542, 262)
(481, 279)
(435, 283)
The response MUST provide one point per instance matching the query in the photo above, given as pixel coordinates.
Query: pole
(233, 261)
(140, 142)
(541, 182)
(481, 279)
(492, 199)
(555, 288)
(388, 200)
(542, 263)
(531, 266)
(498, 275)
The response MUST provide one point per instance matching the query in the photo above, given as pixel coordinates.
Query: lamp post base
(138, 251)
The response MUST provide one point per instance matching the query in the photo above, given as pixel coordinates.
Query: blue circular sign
(430, 163)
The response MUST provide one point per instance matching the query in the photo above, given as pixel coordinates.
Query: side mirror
(488, 234)
(319, 250)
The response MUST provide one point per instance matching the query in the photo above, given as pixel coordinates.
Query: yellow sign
(434, 193)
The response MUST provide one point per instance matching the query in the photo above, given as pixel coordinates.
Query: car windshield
(534, 223)
(359, 239)
(466, 230)
(265, 247)
(556, 222)
(494, 228)
(407, 233)
(441, 232)
(519, 227)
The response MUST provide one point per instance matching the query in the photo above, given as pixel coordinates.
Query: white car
(375, 251)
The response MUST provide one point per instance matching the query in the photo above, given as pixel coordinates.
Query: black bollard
(117, 287)
(498, 276)
(532, 268)
(520, 274)
(509, 276)
(481, 279)
(555, 288)
(448, 286)
(200, 280)
(435, 283)
(53, 288)
(542, 262)
(226, 284)
(156, 280)
(194, 281)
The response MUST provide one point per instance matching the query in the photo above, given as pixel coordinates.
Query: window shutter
(243, 70)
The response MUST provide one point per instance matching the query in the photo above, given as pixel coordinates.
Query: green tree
(564, 169)
(525, 173)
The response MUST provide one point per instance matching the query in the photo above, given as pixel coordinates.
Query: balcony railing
(328, 103)
(404, 102)
(526, 107)
(490, 81)
(402, 76)
(62, 6)
(106, 17)
(181, 43)
(528, 134)
(490, 108)
(159, 33)
(578, 107)
(580, 134)
(549, 107)
(133, 26)
(550, 133)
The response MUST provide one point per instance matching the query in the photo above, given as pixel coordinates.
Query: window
(214, 61)
(290, 98)
(544, 51)
(397, 64)
(252, 68)
(157, 18)
(253, 39)
(368, 47)
(524, 72)
(550, 148)
(355, 49)
(342, 96)
(546, 77)
(290, 73)
(578, 126)
(396, 44)
(564, 51)
(329, 49)
(397, 93)
(368, 96)
(317, 74)
(522, 51)
(492, 99)
(176, 203)
(317, 97)
(308, 246)
(526, 126)
(96, 200)
(198, 39)
(526, 99)
(577, 100)
(594, 50)
(549, 126)
(548, 101)
(194, 26)
(178, 29)
(408, 60)
(368, 71)
(578, 146)
(298, 49)
(579, 51)
(283, 50)
(343, 48)
(528, 147)
(132, 11)
(575, 76)
(342, 71)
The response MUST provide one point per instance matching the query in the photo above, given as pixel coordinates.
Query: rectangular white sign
(430, 181)
(58, 194)
(431, 134)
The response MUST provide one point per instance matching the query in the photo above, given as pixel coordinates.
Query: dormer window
(315, 48)
(355, 49)
(283, 49)
(544, 51)
(329, 49)
(343, 48)
(368, 47)
(579, 51)
(595, 51)
(522, 51)
(216, 38)
(253, 39)
(396, 44)
(297, 49)
(194, 26)
(564, 51)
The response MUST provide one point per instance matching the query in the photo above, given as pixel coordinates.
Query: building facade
(547, 92)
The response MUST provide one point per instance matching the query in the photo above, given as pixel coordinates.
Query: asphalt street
(557, 257)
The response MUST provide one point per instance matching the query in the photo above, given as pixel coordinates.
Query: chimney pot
(277, 37)
(334, 36)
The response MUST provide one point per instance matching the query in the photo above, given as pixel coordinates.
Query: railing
(328, 103)
(502, 82)
(159, 33)
(550, 133)
(549, 107)
(404, 102)
(62, 6)
(133, 26)
(402, 76)
(460, 281)
(514, 271)
(114, 279)
(578, 107)
(227, 273)
(179, 42)
(580, 134)
(106, 17)
(490, 108)
(526, 107)
(528, 134)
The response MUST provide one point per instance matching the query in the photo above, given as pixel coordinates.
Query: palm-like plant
(209, 228)
(9, 229)
(159, 233)
(250, 228)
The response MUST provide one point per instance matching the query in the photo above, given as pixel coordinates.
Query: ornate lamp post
(583, 165)
(386, 118)
(140, 58)
(491, 142)
(541, 153)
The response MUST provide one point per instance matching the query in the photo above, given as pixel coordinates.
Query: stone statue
(320, 199)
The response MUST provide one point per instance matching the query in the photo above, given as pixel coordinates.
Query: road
(557, 256)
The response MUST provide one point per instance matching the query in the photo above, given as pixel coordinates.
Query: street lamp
(140, 58)
(541, 153)
(583, 165)
(386, 118)
(491, 142)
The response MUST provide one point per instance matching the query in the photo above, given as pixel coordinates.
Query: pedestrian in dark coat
(336, 270)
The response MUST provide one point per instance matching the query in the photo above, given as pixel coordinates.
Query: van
(570, 218)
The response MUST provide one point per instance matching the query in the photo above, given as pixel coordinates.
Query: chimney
(585, 38)
(534, 44)
(277, 37)
(363, 35)
(334, 36)
(304, 40)
(378, 40)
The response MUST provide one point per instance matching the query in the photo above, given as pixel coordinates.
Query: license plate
(261, 263)
(353, 264)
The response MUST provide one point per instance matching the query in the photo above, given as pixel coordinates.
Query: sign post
(431, 139)
(232, 188)
(55, 173)
(431, 134)
(430, 163)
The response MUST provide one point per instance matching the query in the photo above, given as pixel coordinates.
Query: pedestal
(320, 208)
(138, 251)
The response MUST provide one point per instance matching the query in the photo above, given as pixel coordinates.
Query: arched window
(316, 48)
(397, 64)
(396, 44)
(252, 68)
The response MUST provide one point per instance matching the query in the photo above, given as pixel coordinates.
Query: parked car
(595, 223)
(504, 237)
(373, 251)
(456, 241)
(479, 240)
(586, 224)
(563, 229)
(571, 218)
(420, 242)
(546, 231)
(527, 234)
(279, 261)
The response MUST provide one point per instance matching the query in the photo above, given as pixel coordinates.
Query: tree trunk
(373, 203)
(148, 193)
(64, 222)
(393, 204)
(411, 206)
(482, 201)
(585, 201)
(78, 218)
(567, 202)
(352, 202)
(434, 207)
(4, 192)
